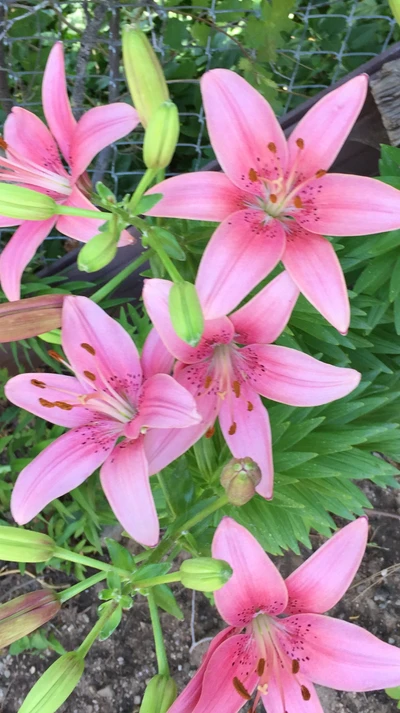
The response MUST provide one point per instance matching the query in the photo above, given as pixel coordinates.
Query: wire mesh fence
(290, 49)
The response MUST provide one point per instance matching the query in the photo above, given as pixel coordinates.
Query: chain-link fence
(289, 49)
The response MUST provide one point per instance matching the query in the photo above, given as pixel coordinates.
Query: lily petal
(264, 318)
(284, 694)
(341, 204)
(156, 359)
(30, 137)
(248, 419)
(297, 379)
(255, 585)
(97, 128)
(241, 125)
(9, 222)
(325, 128)
(19, 251)
(343, 656)
(61, 467)
(39, 394)
(155, 297)
(206, 195)
(313, 265)
(163, 403)
(318, 584)
(56, 106)
(125, 481)
(83, 229)
(96, 344)
(239, 255)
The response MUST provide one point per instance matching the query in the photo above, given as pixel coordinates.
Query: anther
(261, 667)
(305, 693)
(3, 144)
(44, 402)
(320, 173)
(295, 666)
(208, 381)
(210, 432)
(239, 687)
(90, 375)
(273, 198)
(88, 348)
(253, 175)
(249, 406)
(63, 405)
(39, 384)
(300, 143)
(232, 429)
(236, 388)
(54, 355)
(272, 147)
(298, 202)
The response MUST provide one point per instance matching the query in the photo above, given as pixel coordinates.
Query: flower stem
(112, 284)
(161, 654)
(81, 587)
(153, 581)
(89, 562)
(142, 186)
(173, 272)
(83, 212)
(88, 642)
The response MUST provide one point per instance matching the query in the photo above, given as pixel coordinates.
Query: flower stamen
(241, 690)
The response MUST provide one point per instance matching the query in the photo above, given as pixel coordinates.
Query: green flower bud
(161, 136)
(186, 313)
(159, 695)
(205, 574)
(22, 615)
(395, 8)
(24, 204)
(98, 252)
(239, 478)
(19, 545)
(143, 72)
(56, 684)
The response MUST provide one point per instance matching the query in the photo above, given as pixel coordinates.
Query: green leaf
(166, 601)
(120, 556)
(111, 624)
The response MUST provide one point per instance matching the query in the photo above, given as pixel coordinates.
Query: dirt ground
(117, 670)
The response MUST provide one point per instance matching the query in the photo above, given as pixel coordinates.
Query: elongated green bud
(395, 8)
(186, 313)
(19, 545)
(22, 615)
(143, 73)
(24, 204)
(159, 695)
(98, 252)
(56, 684)
(205, 574)
(161, 136)
(239, 478)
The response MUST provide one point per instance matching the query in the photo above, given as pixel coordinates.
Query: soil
(117, 670)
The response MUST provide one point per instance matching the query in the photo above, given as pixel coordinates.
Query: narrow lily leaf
(166, 601)
(55, 686)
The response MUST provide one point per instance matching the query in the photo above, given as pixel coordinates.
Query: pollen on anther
(210, 432)
(63, 405)
(273, 198)
(295, 666)
(47, 404)
(88, 348)
(242, 691)
(300, 143)
(261, 667)
(39, 384)
(253, 175)
(208, 381)
(90, 375)
(249, 406)
(3, 144)
(236, 388)
(232, 429)
(298, 202)
(54, 355)
(272, 147)
(320, 173)
(306, 695)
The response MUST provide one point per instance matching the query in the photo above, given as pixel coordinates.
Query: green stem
(81, 587)
(112, 284)
(82, 212)
(161, 654)
(153, 581)
(165, 259)
(142, 186)
(88, 642)
(89, 562)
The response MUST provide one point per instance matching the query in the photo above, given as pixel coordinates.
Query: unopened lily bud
(186, 313)
(24, 204)
(239, 478)
(395, 8)
(205, 574)
(19, 545)
(159, 695)
(161, 136)
(22, 615)
(29, 317)
(98, 252)
(143, 73)
(56, 684)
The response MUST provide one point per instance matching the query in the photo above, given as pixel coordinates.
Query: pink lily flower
(32, 160)
(235, 361)
(113, 395)
(274, 200)
(277, 643)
